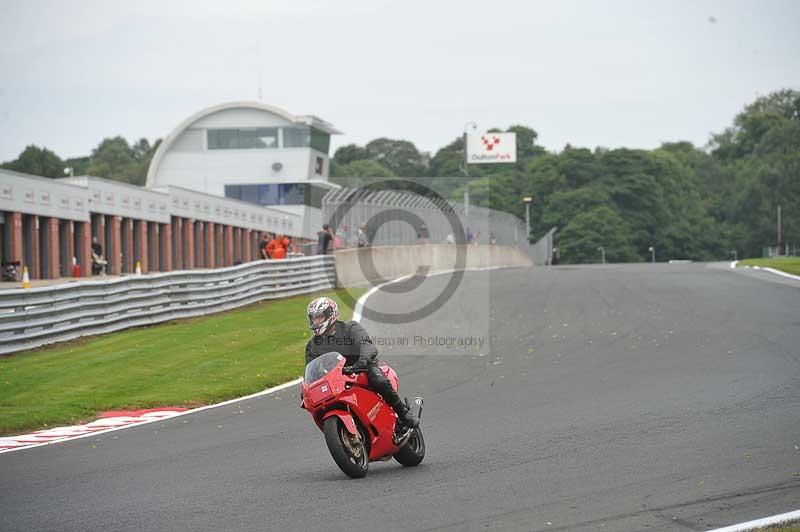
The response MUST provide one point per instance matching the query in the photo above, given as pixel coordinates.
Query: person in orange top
(277, 248)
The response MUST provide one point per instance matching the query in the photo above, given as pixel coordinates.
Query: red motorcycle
(359, 426)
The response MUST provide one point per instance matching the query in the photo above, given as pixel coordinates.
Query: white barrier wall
(391, 262)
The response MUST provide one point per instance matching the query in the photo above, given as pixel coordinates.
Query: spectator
(98, 261)
(344, 232)
(451, 238)
(325, 237)
(422, 234)
(294, 250)
(469, 235)
(277, 248)
(337, 241)
(262, 246)
(363, 241)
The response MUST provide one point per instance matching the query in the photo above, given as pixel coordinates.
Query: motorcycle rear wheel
(412, 453)
(349, 454)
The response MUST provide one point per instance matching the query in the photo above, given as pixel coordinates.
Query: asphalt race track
(638, 397)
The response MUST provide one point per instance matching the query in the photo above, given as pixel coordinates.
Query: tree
(399, 156)
(115, 159)
(37, 161)
(349, 153)
(448, 161)
(358, 173)
(602, 226)
(526, 142)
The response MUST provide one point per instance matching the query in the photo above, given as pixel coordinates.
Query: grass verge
(785, 264)
(187, 362)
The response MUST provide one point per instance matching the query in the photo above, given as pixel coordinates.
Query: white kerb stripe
(760, 523)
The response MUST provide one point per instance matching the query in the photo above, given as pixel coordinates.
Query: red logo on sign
(490, 143)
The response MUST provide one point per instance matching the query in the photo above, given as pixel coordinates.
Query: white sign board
(492, 148)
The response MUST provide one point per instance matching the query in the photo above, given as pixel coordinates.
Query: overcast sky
(602, 73)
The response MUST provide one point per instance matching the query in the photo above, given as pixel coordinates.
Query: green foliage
(79, 165)
(399, 156)
(760, 160)
(113, 159)
(357, 173)
(37, 161)
(349, 153)
(600, 226)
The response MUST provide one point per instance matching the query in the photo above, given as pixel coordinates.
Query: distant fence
(35, 317)
(345, 209)
(542, 251)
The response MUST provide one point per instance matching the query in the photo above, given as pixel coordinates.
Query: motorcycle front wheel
(348, 451)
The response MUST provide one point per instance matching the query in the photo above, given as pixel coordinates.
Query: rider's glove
(361, 363)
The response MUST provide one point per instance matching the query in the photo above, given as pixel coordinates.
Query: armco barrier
(391, 262)
(38, 316)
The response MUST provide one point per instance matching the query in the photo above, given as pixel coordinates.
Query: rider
(352, 341)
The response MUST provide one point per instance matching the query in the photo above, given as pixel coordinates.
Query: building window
(223, 139)
(320, 140)
(243, 139)
(278, 194)
(233, 191)
(268, 195)
(296, 137)
(263, 137)
(313, 195)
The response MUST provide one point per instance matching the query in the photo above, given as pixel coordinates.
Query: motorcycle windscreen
(320, 366)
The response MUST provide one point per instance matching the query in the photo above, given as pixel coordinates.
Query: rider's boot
(405, 414)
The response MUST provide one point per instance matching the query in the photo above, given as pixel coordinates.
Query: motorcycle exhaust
(418, 402)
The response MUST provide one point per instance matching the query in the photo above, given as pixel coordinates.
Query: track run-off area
(614, 397)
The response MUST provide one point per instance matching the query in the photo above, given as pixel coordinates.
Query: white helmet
(322, 312)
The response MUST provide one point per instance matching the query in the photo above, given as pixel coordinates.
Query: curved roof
(166, 144)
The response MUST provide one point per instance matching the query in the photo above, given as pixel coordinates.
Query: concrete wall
(392, 262)
(197, 205)
(122, 199)
(41, 196)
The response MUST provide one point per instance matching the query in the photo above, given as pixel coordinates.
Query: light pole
(652, 251)
(602, 251)
(527, 200)
(465, 168)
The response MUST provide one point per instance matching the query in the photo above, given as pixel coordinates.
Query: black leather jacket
(350, 339)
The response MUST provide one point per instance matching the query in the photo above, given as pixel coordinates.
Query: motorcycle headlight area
(320, 392)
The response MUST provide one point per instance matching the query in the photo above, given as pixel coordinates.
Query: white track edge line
(782, 274)
(770, 270)
(361, 300)
(148, 421)
(778, 519)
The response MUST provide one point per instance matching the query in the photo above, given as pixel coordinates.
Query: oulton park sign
(492, 148)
